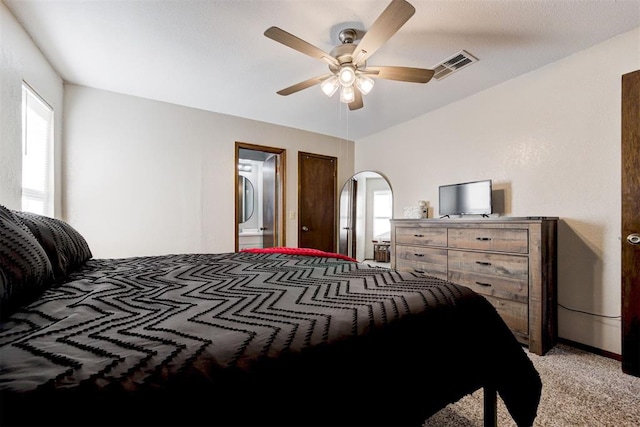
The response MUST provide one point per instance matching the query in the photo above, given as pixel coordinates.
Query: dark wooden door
(317, 177)
(347, 232)
(631, 223)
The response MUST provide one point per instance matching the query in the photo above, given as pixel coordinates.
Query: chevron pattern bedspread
(259, 339)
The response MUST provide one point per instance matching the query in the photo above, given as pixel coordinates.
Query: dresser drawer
(496, 286)
(511, 266)
(425, 269)
(514, 314)
(504, 276)
(427, 261)
(421, 236)
(490, 239)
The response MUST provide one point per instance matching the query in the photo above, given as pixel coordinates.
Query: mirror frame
(246, 204)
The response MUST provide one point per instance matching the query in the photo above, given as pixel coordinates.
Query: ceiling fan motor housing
(343, 53)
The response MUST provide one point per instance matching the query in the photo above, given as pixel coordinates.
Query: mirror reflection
(366, 206)
(245, 199)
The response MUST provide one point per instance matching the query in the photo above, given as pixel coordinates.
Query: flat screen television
(466, 198)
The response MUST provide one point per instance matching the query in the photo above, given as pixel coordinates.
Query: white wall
(551, 140)
(144, 177)
(21, 60)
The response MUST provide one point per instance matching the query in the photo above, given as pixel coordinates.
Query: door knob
(634, 239)
(305, 228)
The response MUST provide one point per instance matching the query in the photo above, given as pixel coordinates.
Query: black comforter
(254, 339)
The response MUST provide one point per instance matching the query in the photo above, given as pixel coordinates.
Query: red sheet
(299, 251)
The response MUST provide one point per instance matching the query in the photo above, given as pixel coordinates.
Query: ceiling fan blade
(403, 74)
(303, 85)
(357, 103)
(388, 23)
(300, 45)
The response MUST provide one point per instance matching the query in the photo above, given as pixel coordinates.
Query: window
(381, 213)
(37, 153)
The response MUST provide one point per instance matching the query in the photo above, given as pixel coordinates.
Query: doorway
(259, 196)
(317, 176)
(366, 207)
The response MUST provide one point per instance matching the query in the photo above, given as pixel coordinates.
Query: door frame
(280, 232)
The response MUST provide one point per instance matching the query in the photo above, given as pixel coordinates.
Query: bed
(275, 337)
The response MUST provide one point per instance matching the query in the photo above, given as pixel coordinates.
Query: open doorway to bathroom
(259, 196)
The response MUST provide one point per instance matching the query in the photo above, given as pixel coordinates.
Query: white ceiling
(212, 54)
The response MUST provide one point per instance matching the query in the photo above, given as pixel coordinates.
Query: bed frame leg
(490, 407)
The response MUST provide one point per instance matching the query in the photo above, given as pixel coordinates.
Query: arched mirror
(245, 199)
(366, 206)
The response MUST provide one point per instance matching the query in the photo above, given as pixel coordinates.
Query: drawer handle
(418, 254)
(419, 271)
(484, 284)
(418, 235)
(483, 263)
(483, 238)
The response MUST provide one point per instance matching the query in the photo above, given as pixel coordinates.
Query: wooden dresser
(509, 260)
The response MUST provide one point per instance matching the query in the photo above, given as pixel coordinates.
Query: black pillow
(66, 248)
(25, 269)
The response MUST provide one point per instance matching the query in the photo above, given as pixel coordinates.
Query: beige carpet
(578, 389)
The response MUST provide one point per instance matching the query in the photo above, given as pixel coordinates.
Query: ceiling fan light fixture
(330, 86)
(347, 75)
(364, 84)
(348, 61)
(347, 94)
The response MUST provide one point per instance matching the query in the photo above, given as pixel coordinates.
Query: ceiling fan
(348, 69)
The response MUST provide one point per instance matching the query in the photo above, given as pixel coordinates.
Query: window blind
(37, 153)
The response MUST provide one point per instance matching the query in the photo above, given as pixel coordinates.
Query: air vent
(455, 63)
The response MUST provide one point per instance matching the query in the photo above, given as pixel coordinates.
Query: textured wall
(550, 141)
(145, 177)
(21, 60)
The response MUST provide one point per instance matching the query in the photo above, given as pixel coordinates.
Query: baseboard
(591, 349)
